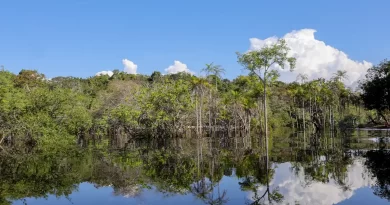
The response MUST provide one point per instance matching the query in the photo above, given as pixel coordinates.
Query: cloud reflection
(296, 188)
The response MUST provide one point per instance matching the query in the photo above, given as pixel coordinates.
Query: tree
(260, 62)
(303, 78)
(29, 79)
(376, 89)
(340, 75)
(156, 75)
(378, 163)
(198, 87)
(216, 70)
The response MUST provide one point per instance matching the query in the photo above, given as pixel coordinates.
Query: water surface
(349, 168)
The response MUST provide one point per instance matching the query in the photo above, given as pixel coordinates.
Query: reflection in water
(302, 169)
(378, 162)
(265, 194)
(294, 187)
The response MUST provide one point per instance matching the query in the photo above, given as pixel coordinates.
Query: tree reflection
(204, 189)
(194, 167)
(323, 160)
(201, 189)
(219, 199)
(269, 196)
(40, 175)
(378, 163)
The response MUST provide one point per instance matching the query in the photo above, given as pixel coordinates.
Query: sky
(87, 37)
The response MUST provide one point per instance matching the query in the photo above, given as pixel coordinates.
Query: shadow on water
(218, 168)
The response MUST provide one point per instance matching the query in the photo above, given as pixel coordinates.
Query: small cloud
(109, 73)
(130, 67)
(178, 67)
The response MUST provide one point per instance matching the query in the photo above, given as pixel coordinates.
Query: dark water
(351, 168)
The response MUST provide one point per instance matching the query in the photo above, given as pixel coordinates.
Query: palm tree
(201, 189)
(340, 75)
(216, 70)
(199, 85)
(302, 78)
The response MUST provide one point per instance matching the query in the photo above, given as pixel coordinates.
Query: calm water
(351, 168)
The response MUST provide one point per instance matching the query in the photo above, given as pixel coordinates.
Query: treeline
(33, 107)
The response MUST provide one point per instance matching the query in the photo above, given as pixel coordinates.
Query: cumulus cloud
(315, 58)
(295, 188)
(130, 67)
(109, 73)
(178, 67)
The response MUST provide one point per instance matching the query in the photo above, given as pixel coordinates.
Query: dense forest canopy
(33, 108)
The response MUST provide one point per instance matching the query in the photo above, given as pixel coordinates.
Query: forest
(36, 110)
(181, 134)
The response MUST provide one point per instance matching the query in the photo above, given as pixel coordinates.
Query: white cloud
(315, 58)
(178, 67)
(109, 73)
(295, 188)
(130, 67)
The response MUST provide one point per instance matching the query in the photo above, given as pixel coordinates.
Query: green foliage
(376, 89)
(258, 62)
(29, 79)
(166, 106)
(33, 108)
(124, 115)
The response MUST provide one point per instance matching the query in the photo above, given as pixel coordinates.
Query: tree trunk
(265, 117)
(303, 114)
(310, 108)
(210, 106)
(235, 117)
(215, 102)
(249, 124)
(333, 119)
(200, 112)
(197, 114)
(330, 117)
(384, 118)
(260, 107)
(324, 113)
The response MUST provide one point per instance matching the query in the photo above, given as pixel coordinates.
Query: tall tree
(302, 78)
(199, 86)
(260, 62)
(217, 71)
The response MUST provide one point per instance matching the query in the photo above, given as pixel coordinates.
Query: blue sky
(81, 38)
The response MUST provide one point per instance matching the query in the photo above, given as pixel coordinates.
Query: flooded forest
(205, 139)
